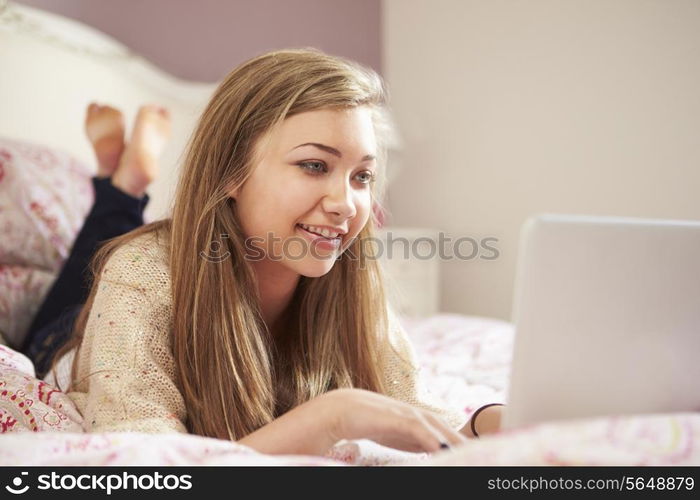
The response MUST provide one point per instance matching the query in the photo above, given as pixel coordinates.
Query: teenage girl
(255, 313)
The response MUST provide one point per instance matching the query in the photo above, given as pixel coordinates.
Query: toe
(91, 110)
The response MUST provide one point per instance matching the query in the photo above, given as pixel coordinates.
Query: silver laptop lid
(607, 317)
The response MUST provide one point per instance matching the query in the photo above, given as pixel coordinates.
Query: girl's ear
(233, 192)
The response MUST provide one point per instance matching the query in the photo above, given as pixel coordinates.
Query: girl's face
(309, 194)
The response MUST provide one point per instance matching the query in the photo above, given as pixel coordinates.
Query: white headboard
(52, 67)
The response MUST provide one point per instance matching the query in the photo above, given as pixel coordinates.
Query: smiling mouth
(339, 237)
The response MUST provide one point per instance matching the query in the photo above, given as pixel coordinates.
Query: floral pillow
(45, 195)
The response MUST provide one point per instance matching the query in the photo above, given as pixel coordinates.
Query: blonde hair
(233, 375)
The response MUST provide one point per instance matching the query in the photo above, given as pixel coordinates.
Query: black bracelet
(472, 421)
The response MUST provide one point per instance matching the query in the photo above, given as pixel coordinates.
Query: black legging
(113, 213)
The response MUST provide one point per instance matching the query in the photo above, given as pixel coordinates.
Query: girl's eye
(313, 167)
(366, 177)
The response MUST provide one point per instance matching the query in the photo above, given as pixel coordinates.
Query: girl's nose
(339, 200)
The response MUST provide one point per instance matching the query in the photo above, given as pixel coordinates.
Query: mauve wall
(205, 39)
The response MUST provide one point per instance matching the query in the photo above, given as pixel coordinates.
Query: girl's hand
(360, 414)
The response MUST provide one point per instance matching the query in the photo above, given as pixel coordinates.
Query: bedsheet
(464, 360)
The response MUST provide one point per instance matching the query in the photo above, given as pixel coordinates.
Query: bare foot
(139, 164)
(104, 127)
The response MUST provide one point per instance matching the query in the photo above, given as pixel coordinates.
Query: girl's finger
(452, 437)
(431, 437)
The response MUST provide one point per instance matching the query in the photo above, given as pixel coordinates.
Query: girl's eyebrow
(332, 151)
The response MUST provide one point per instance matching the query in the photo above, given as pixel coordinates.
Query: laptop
(607, 319)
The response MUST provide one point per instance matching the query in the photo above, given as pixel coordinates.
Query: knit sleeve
(403, 381)
(126, 369)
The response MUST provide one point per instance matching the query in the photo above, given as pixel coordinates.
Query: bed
(45, 192)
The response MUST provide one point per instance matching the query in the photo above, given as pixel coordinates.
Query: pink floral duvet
(464, 359)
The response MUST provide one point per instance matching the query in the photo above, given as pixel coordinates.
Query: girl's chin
(314, 269)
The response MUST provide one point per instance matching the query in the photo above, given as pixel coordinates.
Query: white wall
(509, 108)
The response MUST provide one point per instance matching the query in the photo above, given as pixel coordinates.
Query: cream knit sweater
(126, 370)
